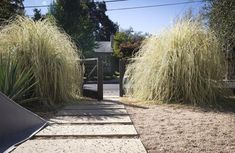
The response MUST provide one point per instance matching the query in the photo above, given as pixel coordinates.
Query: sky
(150, 20)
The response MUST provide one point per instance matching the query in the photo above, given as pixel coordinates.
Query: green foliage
(41, 47)
(221, 17)
(85, 22)
(127, 43)
(37, 15)
(119, 38)
(183, 64)
(74, 19)
(16, 82)
(9, 8)
(104, 27)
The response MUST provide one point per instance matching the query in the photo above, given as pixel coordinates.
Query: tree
(85, 21)
(37, 14)
(221, 18)
(127, 42)
(104, 27)
(73, 17)
(10, 8)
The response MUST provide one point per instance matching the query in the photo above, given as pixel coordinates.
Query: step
(105, 112)
(81, 146)
(90, 119)
(104, 102)
(88, 130)
(80, 107)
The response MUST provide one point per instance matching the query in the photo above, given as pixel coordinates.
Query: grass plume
(185, 63)
(49, 52)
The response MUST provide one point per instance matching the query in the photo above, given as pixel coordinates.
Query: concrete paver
(88, 130)
(81, 146)
(104, 102)
(91, 119)
(79, 107)
(106, 112)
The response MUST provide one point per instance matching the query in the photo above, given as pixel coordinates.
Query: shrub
(220, 16)
(127, 43)
(49, 52)
(183, 64)
(16, 82)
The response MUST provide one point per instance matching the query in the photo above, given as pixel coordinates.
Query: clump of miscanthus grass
(46, 50)
(183, 64)
(16, 82)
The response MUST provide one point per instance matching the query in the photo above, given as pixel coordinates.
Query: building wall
(109, 63)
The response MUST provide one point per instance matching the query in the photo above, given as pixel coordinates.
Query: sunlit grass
(183, 64)
(49, 52)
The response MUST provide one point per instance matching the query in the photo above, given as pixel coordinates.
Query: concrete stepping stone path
(89, 127)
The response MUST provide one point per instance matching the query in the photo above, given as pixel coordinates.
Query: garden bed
(180, 128)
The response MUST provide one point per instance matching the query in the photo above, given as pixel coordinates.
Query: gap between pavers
(81, 146)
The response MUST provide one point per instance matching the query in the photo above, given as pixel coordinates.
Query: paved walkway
(91, 127)
(109, 90)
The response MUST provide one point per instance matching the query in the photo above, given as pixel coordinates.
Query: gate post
(121, 73)
(100, 78)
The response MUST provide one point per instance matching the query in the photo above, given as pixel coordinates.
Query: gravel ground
(175, 128)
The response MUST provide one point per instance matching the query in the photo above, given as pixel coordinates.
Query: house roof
(103, 47)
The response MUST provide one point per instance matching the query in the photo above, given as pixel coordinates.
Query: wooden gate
(93, 78)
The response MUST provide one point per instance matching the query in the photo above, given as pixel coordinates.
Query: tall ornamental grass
(16, 82)
(47, 51)
(183, 64)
